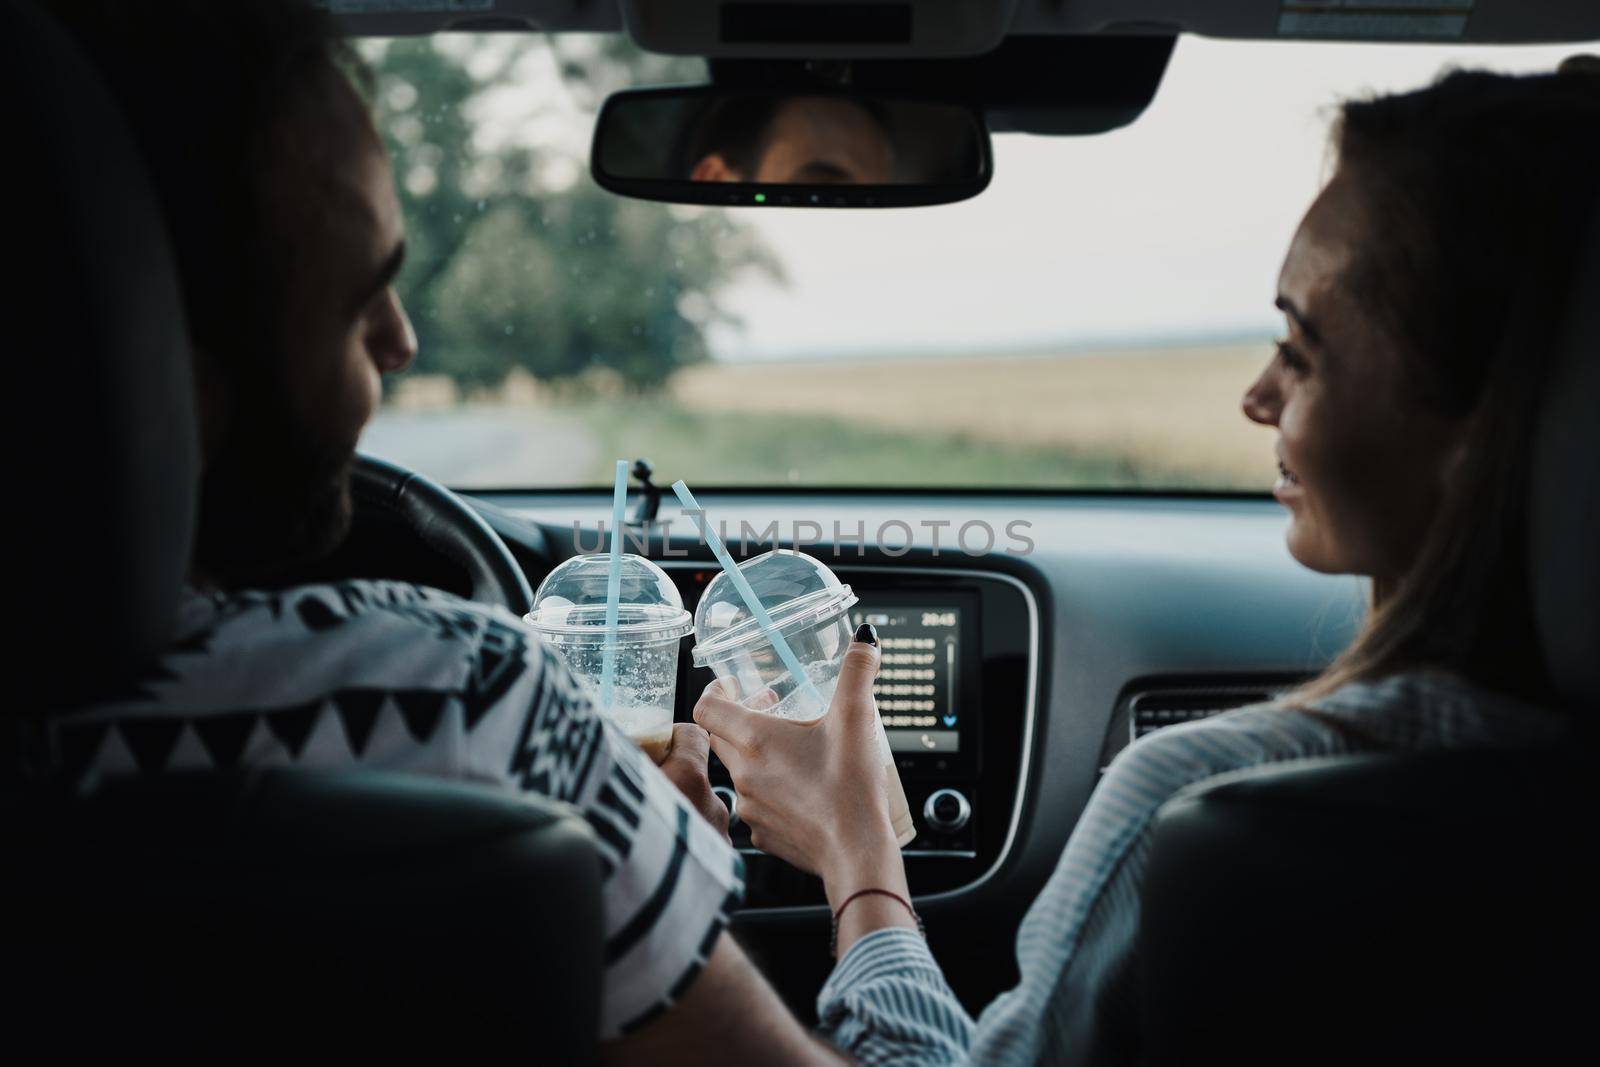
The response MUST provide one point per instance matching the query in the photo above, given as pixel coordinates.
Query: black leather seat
(1378, 909)
(269, 915)
(1433, 908)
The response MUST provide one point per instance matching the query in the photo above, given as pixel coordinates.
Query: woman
(1403, 413)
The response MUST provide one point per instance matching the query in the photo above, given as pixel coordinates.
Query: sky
(1170, 229)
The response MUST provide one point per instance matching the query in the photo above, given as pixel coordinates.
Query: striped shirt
(887, 1002)
(390, 676)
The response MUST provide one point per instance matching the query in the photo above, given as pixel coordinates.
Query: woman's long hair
(1477, 190)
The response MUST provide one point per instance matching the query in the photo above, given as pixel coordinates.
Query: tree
(515, 258)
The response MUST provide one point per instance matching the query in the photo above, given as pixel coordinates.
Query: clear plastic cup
(810, 608)
(569, 613)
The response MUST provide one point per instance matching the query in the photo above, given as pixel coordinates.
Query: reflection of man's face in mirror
(811, 140)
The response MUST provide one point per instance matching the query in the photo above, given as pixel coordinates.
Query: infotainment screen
(917, 689)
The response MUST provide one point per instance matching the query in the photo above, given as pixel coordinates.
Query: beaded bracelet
(833, 936)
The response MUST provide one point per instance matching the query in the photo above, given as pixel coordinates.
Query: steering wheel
(446, 524)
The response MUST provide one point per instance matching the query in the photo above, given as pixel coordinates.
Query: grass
(730, 448)
(1165, 416)
(1162, 418)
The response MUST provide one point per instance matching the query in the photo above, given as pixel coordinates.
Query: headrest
(103, 438)
(180, 911)
(1355, 888)
(1564, 497)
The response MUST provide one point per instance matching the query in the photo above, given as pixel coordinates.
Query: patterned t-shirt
(389, 676)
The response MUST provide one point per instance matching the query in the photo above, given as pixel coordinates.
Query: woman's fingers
(725, 719)
(730, 757)
(852, 698)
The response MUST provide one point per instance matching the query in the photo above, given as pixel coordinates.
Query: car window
(1088, 322)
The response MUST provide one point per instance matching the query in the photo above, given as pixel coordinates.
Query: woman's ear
(213, 401)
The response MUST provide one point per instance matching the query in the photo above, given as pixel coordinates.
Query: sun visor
(826, 29)
(1043, 85)
(399, 18)
(1400, 21)
(855, 29)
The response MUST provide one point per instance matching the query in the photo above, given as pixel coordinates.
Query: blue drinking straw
(608, 668)
(747, 594)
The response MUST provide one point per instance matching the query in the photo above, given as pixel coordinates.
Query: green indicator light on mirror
(761, 198)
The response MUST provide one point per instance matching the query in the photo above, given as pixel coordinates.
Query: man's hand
(685, 767)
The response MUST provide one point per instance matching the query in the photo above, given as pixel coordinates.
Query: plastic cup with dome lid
(804, 623)
(569, 613)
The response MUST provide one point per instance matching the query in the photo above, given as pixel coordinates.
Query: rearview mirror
(712, 145)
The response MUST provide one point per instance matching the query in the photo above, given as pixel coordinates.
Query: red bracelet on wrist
(833, 936)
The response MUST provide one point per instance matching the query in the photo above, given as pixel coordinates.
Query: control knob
(946, 811)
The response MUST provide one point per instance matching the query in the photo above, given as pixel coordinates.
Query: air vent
(1152, 710)
(1151, 704)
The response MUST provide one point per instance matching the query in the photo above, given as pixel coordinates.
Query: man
(804, 140)
(288, 237)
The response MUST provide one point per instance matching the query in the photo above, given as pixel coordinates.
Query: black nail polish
(867, 634)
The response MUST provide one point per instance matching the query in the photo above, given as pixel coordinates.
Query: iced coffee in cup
(569, 612)
(807, 604)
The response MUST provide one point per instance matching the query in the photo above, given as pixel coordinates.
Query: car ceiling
(801, 29)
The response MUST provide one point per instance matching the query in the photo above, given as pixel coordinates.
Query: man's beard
(270, 499)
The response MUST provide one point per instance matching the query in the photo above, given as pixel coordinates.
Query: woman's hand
(685, 767)
(814, 793)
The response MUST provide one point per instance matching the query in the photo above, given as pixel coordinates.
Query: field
(1158, 418)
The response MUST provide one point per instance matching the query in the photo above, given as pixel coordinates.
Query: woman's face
(1362, 469)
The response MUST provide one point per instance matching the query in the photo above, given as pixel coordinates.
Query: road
(485, 447)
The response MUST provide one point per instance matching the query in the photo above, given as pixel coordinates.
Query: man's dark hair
(206, 86)
(738, 128)
(239, 107)
(734, 128)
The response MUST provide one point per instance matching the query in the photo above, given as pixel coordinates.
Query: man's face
(276, 489)
(813, 140)
(821, 141)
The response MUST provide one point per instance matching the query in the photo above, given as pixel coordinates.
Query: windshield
(1090, 321)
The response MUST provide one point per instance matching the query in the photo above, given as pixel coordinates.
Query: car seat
(235, 917)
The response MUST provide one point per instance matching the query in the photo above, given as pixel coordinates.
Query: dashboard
(1086, 620)
(1091, 620)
